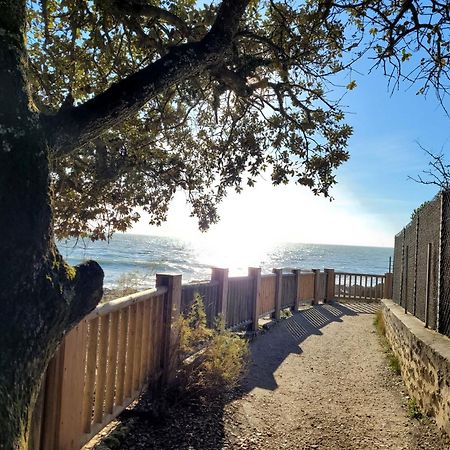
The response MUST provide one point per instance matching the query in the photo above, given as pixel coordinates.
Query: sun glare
(256, 220)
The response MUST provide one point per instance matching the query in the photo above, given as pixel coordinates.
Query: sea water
(140, 257)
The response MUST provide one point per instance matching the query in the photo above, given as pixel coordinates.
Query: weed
(379, 323)
(285, 313)
(394, 363)
(380, 326)
(414, 410)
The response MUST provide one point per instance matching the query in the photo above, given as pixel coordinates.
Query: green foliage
(216, 358)
(266, 108)
(270, 105)
(194, 333)
(419, 209)
(413, 410)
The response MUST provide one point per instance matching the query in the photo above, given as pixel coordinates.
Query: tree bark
(41, 296)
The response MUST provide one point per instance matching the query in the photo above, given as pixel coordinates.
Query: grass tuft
(380, 326)
(379, 323)
(413, 410)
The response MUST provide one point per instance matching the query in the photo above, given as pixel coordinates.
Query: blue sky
(373, 199)
(384, 150)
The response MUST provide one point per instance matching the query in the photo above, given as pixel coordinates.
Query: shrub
(213, 360)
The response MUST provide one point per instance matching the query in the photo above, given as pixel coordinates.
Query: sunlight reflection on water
(145, 256)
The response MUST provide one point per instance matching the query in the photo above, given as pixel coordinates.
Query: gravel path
(318, 380)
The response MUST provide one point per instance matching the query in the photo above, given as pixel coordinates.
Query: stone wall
(425, 361)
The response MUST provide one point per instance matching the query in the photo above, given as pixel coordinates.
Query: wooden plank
(255, 274)
(70, 423)
(100, 378)
(119, 304)
(220, 276)
(52, 401)
(159, 344)
(138, 347)
(153, 309)
(111, 369)
(121, 355)
(130, 351)
(145, 342)
(38, 417)
(91, 365)
(278, 292)
(338, 293)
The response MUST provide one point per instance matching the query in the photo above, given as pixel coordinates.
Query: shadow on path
(269, 350)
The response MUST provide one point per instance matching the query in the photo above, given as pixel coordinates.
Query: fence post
(316, 286)
(221, 277)
(255, 274)
(388, 283)
(329, 285)
(297, 272)
(278, 292)
(172, 305)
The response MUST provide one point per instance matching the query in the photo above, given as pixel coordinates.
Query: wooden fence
(352, 286)
(128, 344)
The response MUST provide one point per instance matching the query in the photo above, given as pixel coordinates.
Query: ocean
(137, 258)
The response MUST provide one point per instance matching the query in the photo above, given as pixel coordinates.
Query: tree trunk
(41, 297)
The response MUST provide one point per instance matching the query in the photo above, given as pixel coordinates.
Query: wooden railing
(361, 286)
(127, 345)
(102, 366)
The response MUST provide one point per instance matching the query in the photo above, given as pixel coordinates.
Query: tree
(438, 173)
(109, 105)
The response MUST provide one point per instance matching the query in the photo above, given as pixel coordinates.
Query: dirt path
(319, 380)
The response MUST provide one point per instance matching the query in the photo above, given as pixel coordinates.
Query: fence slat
(145, 343)
(112, 363)
(121, 356)
(88, 396)
(52, 401)
(100, 378)
(138, 348)
(130, 352)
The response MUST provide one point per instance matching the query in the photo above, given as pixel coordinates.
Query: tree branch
(133, 8)
(76, 126)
